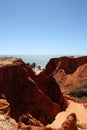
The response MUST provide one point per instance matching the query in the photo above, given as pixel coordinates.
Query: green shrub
(79, 92)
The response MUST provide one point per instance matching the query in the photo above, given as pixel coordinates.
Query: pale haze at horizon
(43, 27)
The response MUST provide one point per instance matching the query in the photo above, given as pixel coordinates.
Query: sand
(73, 107)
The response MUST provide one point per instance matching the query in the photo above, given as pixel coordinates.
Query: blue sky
(43, 27)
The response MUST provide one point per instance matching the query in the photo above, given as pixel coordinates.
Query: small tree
(33, 65)
(39, 67)
(28, 64)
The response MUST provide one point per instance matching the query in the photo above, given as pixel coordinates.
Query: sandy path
(73, 107)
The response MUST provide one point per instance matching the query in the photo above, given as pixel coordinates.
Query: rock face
(68, 64)
(60, 76)
(70, 73)
(4, 107)
(26, 94)
(77, 79)
(51, 89)
(70, 123)
(26, 120)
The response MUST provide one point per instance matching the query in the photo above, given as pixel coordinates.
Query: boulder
(70, 122)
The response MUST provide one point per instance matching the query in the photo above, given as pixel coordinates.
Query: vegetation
(4, 58)
(81, 91)
(83, 81)
(28, 64)
(78, 93)
(39, 67)
(34, 66)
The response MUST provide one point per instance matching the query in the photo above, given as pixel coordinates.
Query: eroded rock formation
(4, 107)
(68, 64)
(27, 95)
(34, 100)
(51, 89)
(69, 72)
(77, 79)
(68, 124)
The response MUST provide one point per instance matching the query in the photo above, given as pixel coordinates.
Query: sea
(40, 60)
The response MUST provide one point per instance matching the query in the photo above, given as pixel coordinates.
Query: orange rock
(27, 119)
(4, 107)
(25, 94)
(68, 64)
(78, 78)
(51, 89)
(70, 122)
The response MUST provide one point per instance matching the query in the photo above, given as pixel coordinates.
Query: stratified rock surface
(34, 100)
(69, 72)
(26, 94)
(68, 64)
(78, 78)
(4, 107)
(51, 89)
(70, 122)
(27, 120)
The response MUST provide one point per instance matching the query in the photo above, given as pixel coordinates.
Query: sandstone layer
(68, 64)
(29, 94)
(34, 100)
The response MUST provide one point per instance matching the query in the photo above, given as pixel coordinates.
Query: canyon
(34, 101)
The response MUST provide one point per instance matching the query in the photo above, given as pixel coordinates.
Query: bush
(80, 92)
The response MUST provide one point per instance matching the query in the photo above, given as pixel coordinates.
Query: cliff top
(9, 61)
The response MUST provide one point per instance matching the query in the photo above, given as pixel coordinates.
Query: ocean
(40, 60)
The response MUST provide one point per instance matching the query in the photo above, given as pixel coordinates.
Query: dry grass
(4, 58)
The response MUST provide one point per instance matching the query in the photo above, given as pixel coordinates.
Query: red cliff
(68, 64)
(77, 79)
(28, 96)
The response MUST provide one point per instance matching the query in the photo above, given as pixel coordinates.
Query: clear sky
(43, 27)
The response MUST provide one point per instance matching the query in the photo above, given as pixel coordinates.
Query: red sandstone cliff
(68, 64)
(51, 89)
(69, 72)
(77, 79)
(28, 96)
